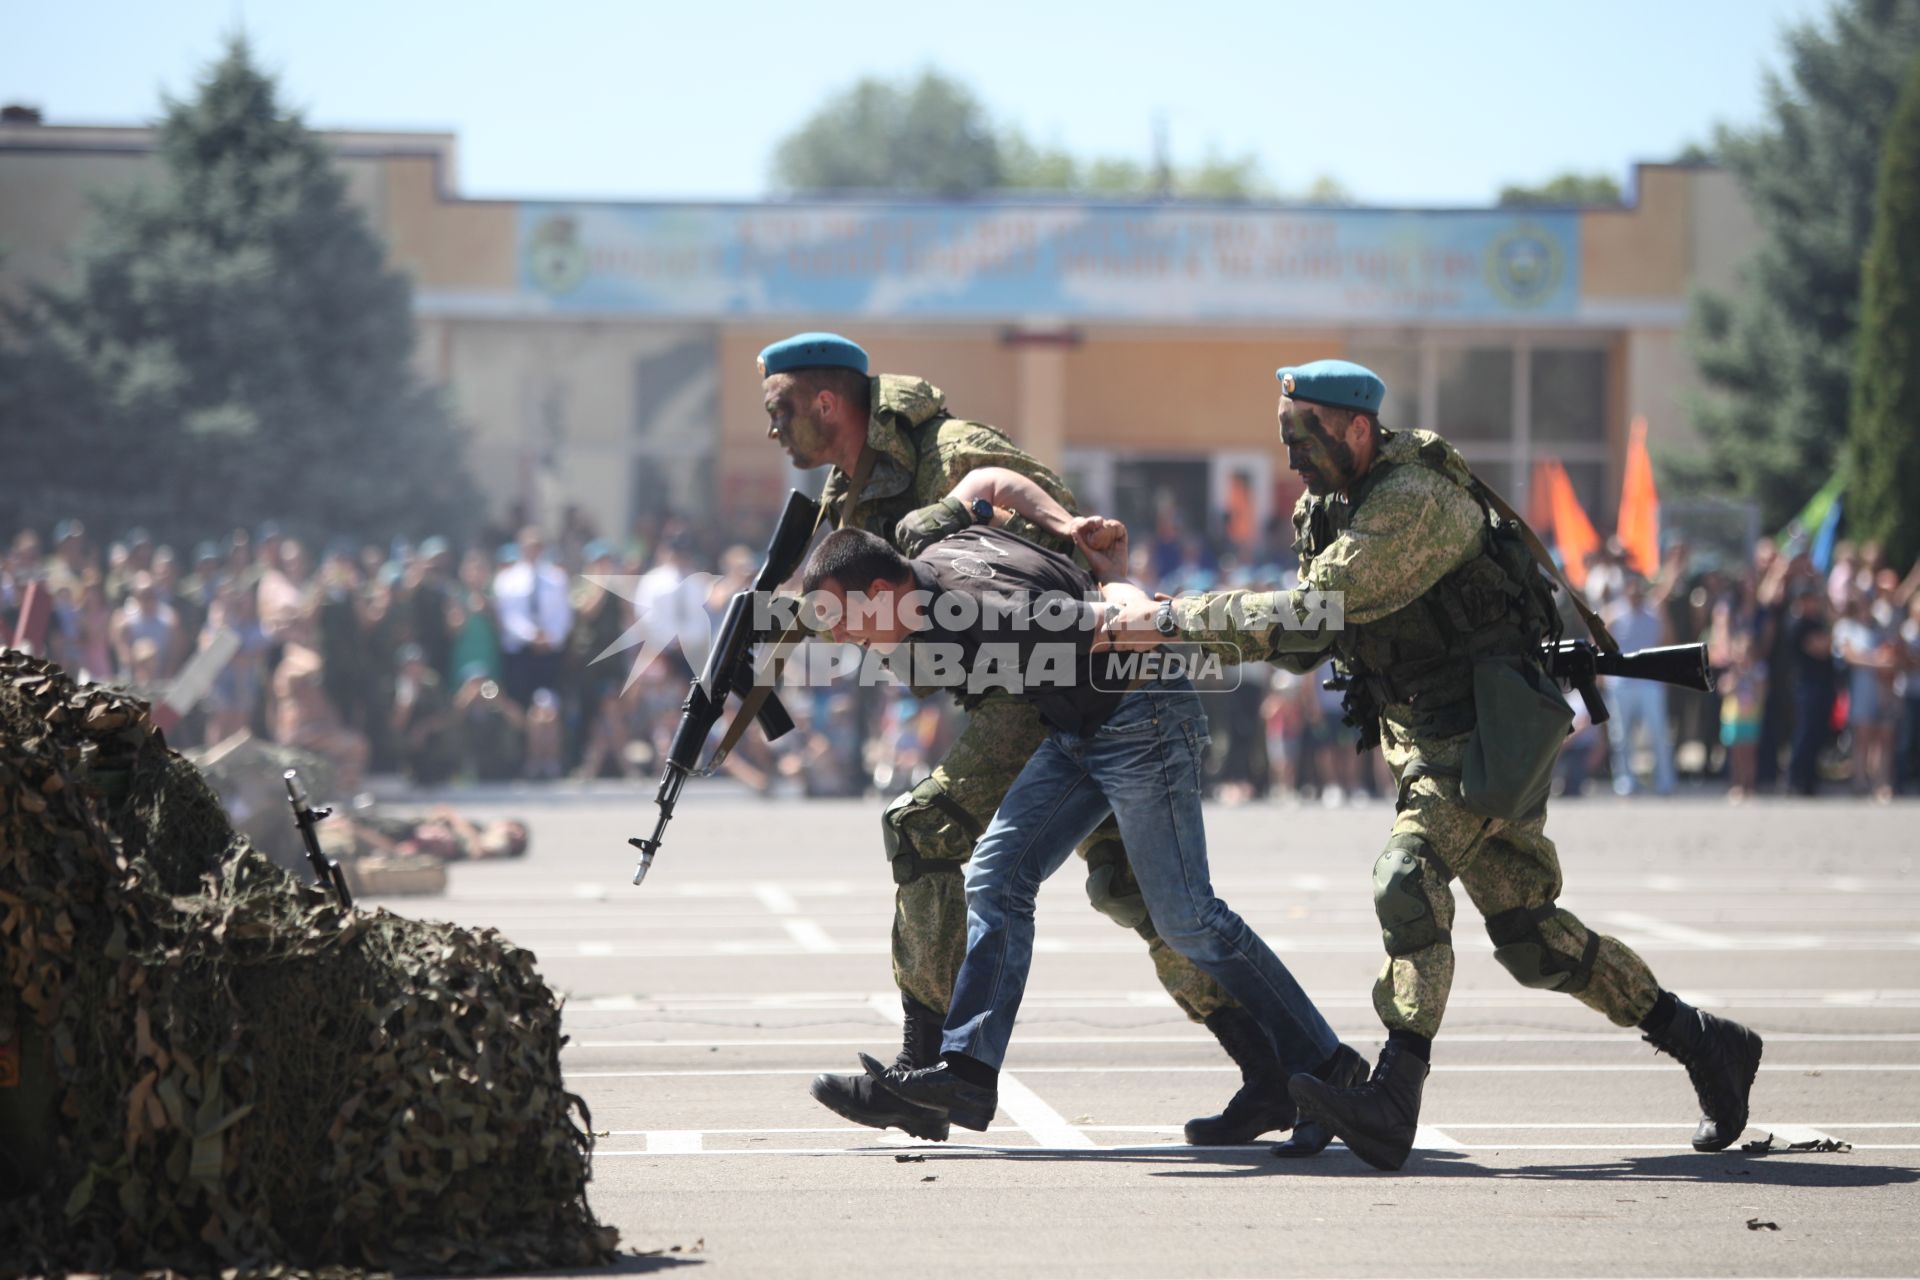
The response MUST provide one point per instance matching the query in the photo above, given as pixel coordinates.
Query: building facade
(604, 353)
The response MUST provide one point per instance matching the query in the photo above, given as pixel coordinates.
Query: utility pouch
(1520, 721)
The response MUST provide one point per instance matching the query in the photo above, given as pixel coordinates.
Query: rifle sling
(789, 639)
(1596, 628)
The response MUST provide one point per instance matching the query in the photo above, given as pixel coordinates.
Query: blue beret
(1340, 383)
(812, 351)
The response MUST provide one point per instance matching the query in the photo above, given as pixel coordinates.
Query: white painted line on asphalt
(594, 948)
(1030, 1111)
(1667, 931)
(1428, 1138)
(1662, 883)
(1462, 1037)
(776, 899)
(590, 891)
(676, 1142)
(811, 937)
(1791, 1133)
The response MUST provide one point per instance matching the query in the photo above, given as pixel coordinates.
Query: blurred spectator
(423, 720)
(1908, 684)
(303, 717)
(145, 617)
(491, 726)
(1814, 683)
(476, 637)
(673, 605)
(1742, 699)
(543, 736)
(70, 565)
(531, 605)
(1864, 640)
(235, 694)
(1636, 622)
(599, 620)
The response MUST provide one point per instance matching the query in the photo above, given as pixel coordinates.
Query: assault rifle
(729, 669)
(306, 817)
(1580, 663)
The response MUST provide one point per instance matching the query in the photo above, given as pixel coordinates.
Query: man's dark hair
(855, 559)
(849, 384)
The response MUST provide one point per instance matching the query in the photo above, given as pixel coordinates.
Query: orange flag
(1639, 529)
(1540, 497)
(1573, 535)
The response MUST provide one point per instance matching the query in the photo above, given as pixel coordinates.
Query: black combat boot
(1344, 1070)
(943, 1090)
(1721, 1057)
(860, 1099)
(1261, 1105)
(1376, 1120)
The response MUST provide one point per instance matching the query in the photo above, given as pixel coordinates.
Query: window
(1476, 393)
(1398, 367)
(1569, 396)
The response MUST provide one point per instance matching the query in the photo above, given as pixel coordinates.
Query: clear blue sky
(1404, 102)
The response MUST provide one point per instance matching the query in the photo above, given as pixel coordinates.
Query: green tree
(1883, 445)
(1778, 355)
(929, 135)
(932, 135)
(230, 346)
(1567, 188)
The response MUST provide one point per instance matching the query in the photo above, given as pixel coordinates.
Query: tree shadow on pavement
(1838, 1171)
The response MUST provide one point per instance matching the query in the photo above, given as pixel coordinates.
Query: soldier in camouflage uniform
(1436, 592)
(822, 408)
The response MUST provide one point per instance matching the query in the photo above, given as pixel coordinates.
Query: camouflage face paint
(791, 424)
(1316, 451)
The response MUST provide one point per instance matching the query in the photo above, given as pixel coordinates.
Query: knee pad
(911, 828)
(1523, 951)
(1111, 887)
(1407, 920)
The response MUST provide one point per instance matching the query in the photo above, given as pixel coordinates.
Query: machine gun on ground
(307, 818)
(1580, 663)
(730, 669)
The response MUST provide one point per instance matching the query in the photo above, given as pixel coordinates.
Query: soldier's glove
(918, 530)
(1128, 910)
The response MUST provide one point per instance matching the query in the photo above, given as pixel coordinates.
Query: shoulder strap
(1596, 628)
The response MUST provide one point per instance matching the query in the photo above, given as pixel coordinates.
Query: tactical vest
(1419, 659)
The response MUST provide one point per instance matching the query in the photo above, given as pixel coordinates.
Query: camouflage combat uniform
(1410, 549)
(922, 452)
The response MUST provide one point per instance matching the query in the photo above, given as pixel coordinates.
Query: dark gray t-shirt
(1005, 614)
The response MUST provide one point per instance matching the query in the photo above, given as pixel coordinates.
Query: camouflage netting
(216, 1068)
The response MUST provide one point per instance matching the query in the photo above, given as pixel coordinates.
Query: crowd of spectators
(515, 659)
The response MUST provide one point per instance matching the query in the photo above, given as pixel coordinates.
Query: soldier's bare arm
(1009, 491)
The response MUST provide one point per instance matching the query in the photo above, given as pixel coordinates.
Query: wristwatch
(1163, 620)
(982, 511)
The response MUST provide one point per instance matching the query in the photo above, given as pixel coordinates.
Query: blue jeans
(1142, 766)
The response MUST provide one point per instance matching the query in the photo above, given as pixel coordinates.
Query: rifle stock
(729, 670)
(1580, 664)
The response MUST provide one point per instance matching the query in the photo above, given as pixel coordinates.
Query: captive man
(1444, 615)
(895, 431)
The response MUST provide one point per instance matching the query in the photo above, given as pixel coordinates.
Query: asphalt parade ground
(1553, 1144)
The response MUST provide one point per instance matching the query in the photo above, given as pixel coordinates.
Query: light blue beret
(812, 351)
(1340, 383)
